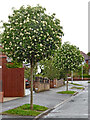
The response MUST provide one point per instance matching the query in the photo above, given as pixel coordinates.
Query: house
(87, 60)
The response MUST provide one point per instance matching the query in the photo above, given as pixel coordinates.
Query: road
(76, 107)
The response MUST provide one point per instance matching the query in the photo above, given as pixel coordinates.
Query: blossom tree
(32, 35)
(68, 58)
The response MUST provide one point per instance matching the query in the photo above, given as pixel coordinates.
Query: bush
(86, 76)
(14, 65)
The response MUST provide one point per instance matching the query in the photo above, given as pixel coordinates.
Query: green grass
(78, 88)
(25, 110)
(76, 84)
(66, 92)
(88, 81)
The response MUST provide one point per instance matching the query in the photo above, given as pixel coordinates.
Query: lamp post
(82, 70)
(72, 76)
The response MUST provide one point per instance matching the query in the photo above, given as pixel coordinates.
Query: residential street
(47, 98)
(76, 107)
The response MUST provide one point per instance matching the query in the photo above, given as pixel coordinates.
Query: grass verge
(78, 88)
(24, 110)
(76, 84)
(66, 92)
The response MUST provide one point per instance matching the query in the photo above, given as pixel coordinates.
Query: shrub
(14, 65)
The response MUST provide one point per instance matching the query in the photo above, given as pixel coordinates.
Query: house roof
(86, 57)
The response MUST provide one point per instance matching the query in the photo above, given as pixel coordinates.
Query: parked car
(27, 83)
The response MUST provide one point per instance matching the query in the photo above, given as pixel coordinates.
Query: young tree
(68, 58)
(48, 69)
(31, 35)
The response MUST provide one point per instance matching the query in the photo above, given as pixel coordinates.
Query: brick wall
(56, 83)
(40, 84)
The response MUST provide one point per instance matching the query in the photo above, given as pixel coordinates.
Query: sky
(73, 15)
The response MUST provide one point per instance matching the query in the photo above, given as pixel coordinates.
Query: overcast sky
(73, 15)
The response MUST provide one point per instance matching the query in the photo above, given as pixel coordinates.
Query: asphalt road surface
(76, 107)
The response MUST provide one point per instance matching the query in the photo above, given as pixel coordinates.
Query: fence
(12, 80)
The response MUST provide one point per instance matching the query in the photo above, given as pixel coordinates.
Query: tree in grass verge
(68, 58)
(32, 35)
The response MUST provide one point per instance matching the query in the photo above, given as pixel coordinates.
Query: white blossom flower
(40, 28)
(39, 38)
(16, 37)
(41, 45)
(20, 43)
(28, 20)
(23, 37)
(11, 28)
(34, 17)
(20, 23)
(29, 37)
(47, 33)
(28, 15)
(28, 46)
(34, 30)
(24, 21)
(21, 34)
(44, 35)
(7, 36)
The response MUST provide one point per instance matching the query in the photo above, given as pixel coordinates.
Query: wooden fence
(13, 82)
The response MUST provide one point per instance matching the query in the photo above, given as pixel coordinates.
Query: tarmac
(49, 99)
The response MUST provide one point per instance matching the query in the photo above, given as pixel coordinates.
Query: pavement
(6, 99)
(47, 98)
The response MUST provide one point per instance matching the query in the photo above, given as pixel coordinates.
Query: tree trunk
(31, 97)
(67, 84)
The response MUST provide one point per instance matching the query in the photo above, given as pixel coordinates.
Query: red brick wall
(56, 83)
